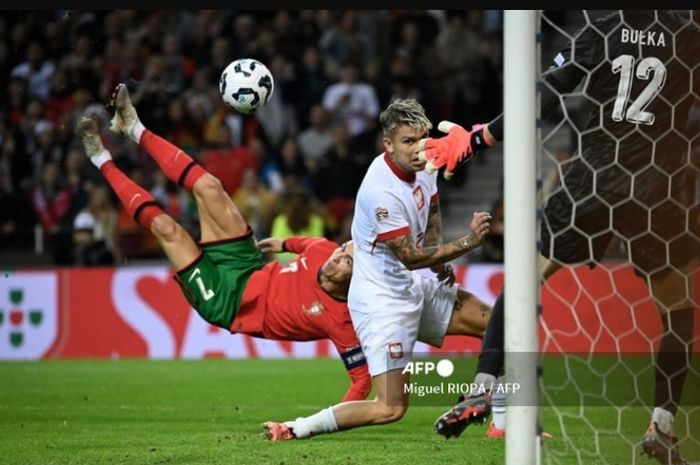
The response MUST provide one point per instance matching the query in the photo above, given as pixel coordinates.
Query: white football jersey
(389, 204)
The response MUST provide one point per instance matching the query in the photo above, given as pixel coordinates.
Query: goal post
(520, 207)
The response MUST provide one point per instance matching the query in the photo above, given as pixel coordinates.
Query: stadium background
(59, 65)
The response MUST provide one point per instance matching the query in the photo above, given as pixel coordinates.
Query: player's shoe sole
(88, 133)
(661, 447)
(125, 117)
(468, 411)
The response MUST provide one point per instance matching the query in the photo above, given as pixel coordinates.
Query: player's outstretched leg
(177, 166)
(137, 201)
(219, 218)
(176, 243)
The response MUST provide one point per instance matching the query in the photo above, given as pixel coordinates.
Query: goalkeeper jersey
(638, 71)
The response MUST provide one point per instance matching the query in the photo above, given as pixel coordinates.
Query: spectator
(36, 71)
(297, 219)
(312, 82)
(337, 41)
(228, 163)
(277, 117)
(375, 77)
(94, 230)
(15, 101)
(340, 174)
(182, 130)
(256, 203)
(46, 150)
(316, 140)
(178, 68)
(292, 167)
(353, 102)
(77, 63)
(78, 183)
(16, 215)
(221, 56)
(60, 99)
(15, 166)
(203, 29)
(244, 27)
(307, 29)
(52, 204)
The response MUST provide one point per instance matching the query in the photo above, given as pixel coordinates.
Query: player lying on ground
(642, 149)
(224, 277)
(397, 228)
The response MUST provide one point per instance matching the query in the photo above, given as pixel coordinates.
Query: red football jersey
(288, 303)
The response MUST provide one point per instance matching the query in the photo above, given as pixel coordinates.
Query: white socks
(485, 379)
(663, 419)
(137, 131)
(498, 406)
(318, 423)
(101, 158)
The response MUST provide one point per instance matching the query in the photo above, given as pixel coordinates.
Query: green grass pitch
(209, 412)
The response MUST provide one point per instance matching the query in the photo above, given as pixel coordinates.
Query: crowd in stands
(293, 167)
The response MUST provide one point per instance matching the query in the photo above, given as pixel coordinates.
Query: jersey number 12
(624, 64)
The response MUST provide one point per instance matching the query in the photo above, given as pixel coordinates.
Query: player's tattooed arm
(433, 232)
(433, 236)
(414, 258)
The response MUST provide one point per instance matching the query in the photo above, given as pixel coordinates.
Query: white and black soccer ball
(246, 85)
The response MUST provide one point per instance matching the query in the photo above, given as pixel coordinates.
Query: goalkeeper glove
(450, 151)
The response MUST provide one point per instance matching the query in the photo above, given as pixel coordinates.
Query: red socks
(176, 164)
(137, 201)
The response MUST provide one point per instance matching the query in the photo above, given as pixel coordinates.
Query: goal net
(619, 144)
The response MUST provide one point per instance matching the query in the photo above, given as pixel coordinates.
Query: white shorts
(388, 337)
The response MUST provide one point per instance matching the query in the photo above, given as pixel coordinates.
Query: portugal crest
(315, 309)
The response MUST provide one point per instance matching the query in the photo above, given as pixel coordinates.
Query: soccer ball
(246, 85)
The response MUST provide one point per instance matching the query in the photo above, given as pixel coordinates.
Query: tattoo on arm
(433, 233)
(414, 258)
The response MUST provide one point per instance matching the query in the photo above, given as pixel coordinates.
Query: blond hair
(404, 112)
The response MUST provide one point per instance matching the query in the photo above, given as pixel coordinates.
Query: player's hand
(270, 244)
(445, 273)
(480, 227)
(448, 151)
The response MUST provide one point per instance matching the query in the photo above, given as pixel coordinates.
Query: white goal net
(620, 180)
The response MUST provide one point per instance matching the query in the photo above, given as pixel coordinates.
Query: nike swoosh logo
(131, 202)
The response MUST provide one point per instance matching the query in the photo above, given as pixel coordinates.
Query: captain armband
(353, 358)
